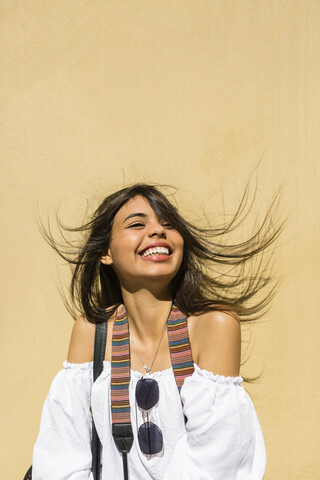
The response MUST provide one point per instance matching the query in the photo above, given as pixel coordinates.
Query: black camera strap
(99, 353)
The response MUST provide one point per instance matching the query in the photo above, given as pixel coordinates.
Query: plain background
(96, 95)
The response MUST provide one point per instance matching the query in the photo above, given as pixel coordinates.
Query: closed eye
(136, 224)
(140, 224)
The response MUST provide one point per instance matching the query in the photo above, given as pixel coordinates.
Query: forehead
(136, 204)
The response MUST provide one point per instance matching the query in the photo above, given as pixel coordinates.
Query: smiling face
(143, 248)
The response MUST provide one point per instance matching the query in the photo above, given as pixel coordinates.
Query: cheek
(179, 241)
(122, 246)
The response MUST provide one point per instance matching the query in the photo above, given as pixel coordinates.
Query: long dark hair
(213, 275)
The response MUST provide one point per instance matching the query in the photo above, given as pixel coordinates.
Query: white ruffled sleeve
(224, 439)
(63, 448)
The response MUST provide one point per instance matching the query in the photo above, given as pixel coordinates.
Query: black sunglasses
(149, 434)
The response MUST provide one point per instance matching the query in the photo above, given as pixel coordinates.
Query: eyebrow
(144, 215)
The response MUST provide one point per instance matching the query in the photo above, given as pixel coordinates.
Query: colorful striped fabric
(120, 369)
(180, 352)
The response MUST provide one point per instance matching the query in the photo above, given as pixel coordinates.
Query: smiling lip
(157, 244)
(156, 258)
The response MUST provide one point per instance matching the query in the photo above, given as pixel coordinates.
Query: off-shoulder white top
(221, 440)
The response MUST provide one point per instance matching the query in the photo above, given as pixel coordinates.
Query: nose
(157, 230)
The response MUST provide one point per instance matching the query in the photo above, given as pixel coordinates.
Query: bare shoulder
(82, 341)
(81, 347)
(215, 338)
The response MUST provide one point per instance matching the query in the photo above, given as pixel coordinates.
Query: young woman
(173, 300)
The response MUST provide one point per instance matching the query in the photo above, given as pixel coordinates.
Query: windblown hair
(213, 275)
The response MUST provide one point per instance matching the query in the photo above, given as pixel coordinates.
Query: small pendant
(148, 370)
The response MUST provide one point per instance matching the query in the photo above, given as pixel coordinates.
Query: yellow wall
(98, 94)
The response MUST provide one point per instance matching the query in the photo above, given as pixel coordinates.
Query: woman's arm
(63, 448)
(223, 438)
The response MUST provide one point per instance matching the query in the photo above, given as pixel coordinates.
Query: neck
(147, 313)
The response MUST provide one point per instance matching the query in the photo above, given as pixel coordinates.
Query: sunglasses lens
(150, 438)
(147, 393)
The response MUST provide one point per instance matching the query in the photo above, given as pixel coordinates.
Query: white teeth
(156, 250)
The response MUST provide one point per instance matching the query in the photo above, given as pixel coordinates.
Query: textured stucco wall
(98, 94)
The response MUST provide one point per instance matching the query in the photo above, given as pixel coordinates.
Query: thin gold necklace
(148, 370)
